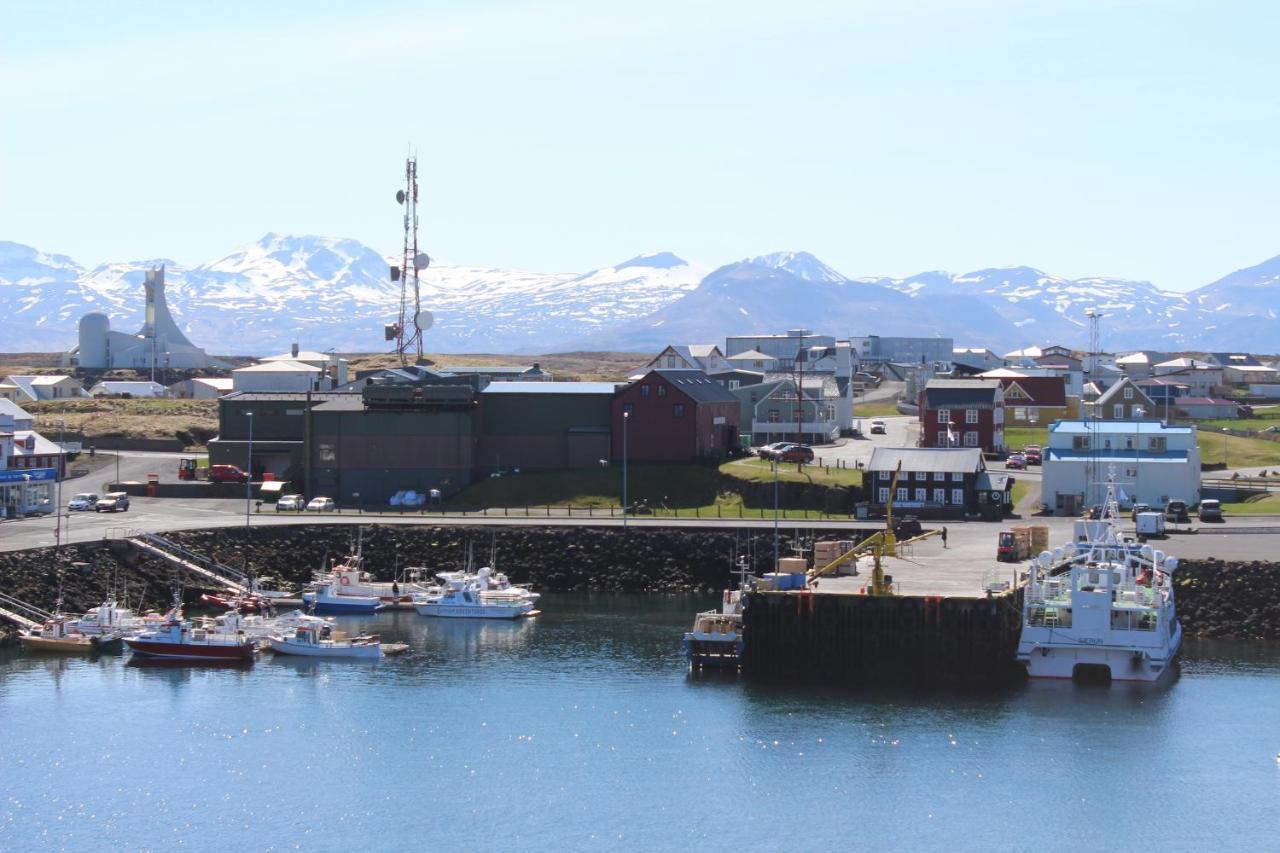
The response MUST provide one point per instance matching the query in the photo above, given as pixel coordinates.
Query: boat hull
(373, 651)
(723, 652)
(474, 611)
(61, 645)
(191, 651)
(1086, 662)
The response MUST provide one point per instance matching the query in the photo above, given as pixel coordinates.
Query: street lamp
(248, 483)
(1138, 414)
(62, 458)
(626, 416)
(775, 515)
(1224, 448)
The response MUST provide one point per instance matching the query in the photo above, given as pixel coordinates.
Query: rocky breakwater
(1229, 600)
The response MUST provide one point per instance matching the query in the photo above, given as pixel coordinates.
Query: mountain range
(325, 292)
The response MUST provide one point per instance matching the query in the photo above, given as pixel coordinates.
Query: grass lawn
(1016, 438)
(876, 409)
(761, 470)
(1267, 505)
(1262, 419)
(1238, 452)
(1020, 488)
(683, 491)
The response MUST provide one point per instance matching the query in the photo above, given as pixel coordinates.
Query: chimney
(294, 351)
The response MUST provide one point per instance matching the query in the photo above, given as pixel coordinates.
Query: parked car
(321, 505)
(1210, 510)
(292, 503)
(1016, 461)
(82, 502)
(1032, 453)
(906, 527)
(769, 451)
(112, 502)
(1176, 511)
(1137, 510)
(1094, 513)
(795, 453)
(879, 428)
(227, 474)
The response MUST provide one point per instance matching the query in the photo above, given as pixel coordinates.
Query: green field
(876, 409)
(1262, 419)
(684, 491)
(1016, 438)
(1268, 505)
(1238, 452)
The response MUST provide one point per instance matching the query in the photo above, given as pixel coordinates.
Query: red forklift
(190, 469)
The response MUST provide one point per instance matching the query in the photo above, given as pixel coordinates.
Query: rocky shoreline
(1215, 599)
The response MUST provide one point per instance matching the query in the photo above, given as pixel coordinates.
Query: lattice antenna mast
(413, 321)
(1091, 474)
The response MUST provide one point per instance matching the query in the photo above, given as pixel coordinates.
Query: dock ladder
(22, 614)
(184, 558)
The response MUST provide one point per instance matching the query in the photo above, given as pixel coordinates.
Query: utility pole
(248, 483)
(626, 416)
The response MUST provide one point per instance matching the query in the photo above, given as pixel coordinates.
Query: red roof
(1043, 390)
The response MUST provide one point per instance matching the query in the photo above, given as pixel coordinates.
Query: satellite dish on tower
(400, 196)
(421, 261)
(423, 320)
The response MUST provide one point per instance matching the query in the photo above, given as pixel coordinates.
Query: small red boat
(176, 639)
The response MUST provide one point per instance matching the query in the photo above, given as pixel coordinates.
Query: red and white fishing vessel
(177, 639)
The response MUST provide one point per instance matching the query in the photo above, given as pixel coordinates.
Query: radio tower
(407, 332)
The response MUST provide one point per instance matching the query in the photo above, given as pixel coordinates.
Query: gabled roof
(279, 367)
(750, 355)
(44, 447)
(946, 460)
(1000, 373)
(303, 355)
(221, 383)
(1041, 390)
(1205, 401)
(550, 388)
(13, 410)
(113, 386)
(1116, 392)
(1188, 363)
(1234, 359)
(698, 385)
(960, 393)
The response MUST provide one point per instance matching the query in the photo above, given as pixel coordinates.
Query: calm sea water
(581, 730)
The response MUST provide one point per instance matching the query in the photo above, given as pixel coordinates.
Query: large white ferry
(1100, 607)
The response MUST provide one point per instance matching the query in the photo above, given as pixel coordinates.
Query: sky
(1128, 138)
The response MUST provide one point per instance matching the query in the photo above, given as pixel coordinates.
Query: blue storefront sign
(28, 475)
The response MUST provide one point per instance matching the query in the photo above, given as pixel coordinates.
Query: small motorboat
(323, 641)
(483, 595)
(329, 598)
(59, 635)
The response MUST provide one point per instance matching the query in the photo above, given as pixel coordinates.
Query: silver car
(82, 502)
(291, 503)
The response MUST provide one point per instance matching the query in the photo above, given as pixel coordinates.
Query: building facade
(962, 413)
(937, 482)
(1152, 462)
(1124, 401)
(532, 426)
(674, 416)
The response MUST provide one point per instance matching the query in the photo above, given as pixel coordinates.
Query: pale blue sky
(1134, 139)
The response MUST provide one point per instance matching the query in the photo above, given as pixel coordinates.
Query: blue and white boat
(484, 595)
(330, 599)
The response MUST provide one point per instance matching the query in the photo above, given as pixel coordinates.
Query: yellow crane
(880, 544)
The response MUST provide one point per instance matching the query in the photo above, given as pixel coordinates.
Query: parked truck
(1149, 525)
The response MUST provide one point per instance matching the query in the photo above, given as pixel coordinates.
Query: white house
(34, 388)
(113, 388)
(203, 388)
(279, 376)
(1153, 463)
(330, 364)
(705, 357)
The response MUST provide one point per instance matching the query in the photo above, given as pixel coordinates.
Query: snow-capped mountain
(325, 292)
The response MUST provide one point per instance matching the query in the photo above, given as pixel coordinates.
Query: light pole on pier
(626, 416)
(248, 483)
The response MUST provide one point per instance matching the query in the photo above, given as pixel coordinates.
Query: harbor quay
(952, 615)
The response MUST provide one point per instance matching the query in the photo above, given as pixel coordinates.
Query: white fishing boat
(330, 598)
(324, 641)
(1100, 607)
(259, 628)
(350, 579)
(108, 618)
(177, 639)
(484, 595)
(715, 640)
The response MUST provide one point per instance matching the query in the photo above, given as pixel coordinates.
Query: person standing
(944, 536)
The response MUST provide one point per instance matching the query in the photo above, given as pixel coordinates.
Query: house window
(671, 361)
(942, 439)
(1128, 442)
(944, 416)
(970, 439)
(662, 390)
(940, 476)
(971, 416)
(884, 494)
(644, 390)
(1128, 393)
(1033, 415)
(922, 475)
(628, 408)
(677, 410)
(774, 416)
(1117, 411)
(1019, 414)
(902, 495)
(1080, 442)
(1156, 445)
(733, 384)
(922, 495)
(939, 496)
(957, 477)
(957, 496)
(884, 475)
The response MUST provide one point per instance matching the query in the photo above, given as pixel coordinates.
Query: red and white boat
(176, 639)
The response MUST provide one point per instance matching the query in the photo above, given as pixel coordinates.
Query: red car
(227, 474)
(1032, 454)
(795, 453)
(1016, 462)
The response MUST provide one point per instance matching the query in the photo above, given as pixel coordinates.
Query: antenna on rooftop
(413, 321)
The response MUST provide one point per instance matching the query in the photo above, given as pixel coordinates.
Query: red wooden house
(674, 416)
(962, 413)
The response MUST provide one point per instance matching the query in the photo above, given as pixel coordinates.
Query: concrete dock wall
(860, 639)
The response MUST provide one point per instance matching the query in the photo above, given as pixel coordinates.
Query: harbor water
(582, 729)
